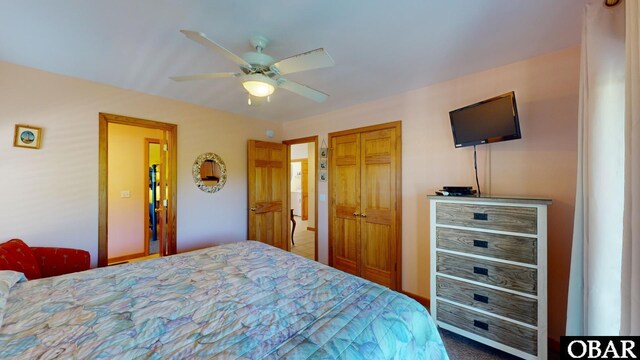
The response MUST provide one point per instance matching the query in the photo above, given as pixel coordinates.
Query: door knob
(363, 215)
(253, 209)
(355, 214)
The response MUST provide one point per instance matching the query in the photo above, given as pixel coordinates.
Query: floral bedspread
(244, 300)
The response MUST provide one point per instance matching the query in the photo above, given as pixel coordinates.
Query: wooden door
(268, 210)
(378, 206)
(304, 165)
(345, 199)
(365, 203)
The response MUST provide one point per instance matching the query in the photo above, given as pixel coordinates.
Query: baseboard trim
(125, 257)
(422, 300)
(311, 228)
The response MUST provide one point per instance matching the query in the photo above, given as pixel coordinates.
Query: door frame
(398, 126)
(309, 139)
(172, 130)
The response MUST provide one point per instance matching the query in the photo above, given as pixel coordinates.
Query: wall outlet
(125, 194)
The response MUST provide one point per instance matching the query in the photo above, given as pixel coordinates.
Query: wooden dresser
(489, 271)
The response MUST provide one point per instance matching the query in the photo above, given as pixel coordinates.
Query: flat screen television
(487, 121)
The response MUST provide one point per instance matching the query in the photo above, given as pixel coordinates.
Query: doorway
(303, 200)
(153, 174)
(137, 188)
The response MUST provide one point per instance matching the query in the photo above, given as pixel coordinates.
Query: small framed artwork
(323, 175)
(324, 150)
(27, 136)
(323, 164)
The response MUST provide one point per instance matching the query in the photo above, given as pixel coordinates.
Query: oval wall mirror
(209, 172)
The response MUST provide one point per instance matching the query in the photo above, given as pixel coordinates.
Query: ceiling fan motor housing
(258, 59)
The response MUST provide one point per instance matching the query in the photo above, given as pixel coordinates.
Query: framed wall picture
(323, 164)
(27, 136)
(323, 175)
(324, 150)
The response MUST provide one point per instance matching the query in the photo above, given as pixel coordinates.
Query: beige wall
(50, 196)
(127, 173)
(542, 163)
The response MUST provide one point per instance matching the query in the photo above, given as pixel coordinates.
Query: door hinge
(165, 202)
(165, 147)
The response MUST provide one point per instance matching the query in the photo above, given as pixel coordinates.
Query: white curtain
(604, 260)
(631, 245)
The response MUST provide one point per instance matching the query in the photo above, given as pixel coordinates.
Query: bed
(234, 301)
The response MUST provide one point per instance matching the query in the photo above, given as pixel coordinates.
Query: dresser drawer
(518, 278)
(502, 303)
(506, 247)
(494, 217)
(516, 336)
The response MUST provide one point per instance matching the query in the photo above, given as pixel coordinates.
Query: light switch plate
(125, 194)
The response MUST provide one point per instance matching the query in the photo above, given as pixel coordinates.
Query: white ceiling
(381, 47)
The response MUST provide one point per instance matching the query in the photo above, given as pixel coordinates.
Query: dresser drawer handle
(481, 325)
(481, 298)
(480, 216)
(480, 271)
(481, 243)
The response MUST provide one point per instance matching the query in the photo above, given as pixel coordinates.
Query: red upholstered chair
(41, 262)
(59, 261)
(17, 256)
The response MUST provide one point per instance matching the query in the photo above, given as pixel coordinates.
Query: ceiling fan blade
(314, 59)
(201, 39)
(303, 90)
(204, 76)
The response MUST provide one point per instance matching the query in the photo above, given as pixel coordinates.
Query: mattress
(244, 300)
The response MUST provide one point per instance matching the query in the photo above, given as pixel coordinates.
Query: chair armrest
(59, 261)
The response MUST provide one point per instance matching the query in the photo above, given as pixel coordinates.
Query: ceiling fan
(259, 73)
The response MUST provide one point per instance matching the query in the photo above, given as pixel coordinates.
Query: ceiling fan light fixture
(258, 88)
(259, 85)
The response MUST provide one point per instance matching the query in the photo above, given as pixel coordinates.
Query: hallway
(304, 240)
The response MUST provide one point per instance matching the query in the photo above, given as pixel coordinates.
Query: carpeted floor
(461, 348)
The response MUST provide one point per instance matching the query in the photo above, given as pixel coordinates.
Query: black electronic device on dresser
(456, 191)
